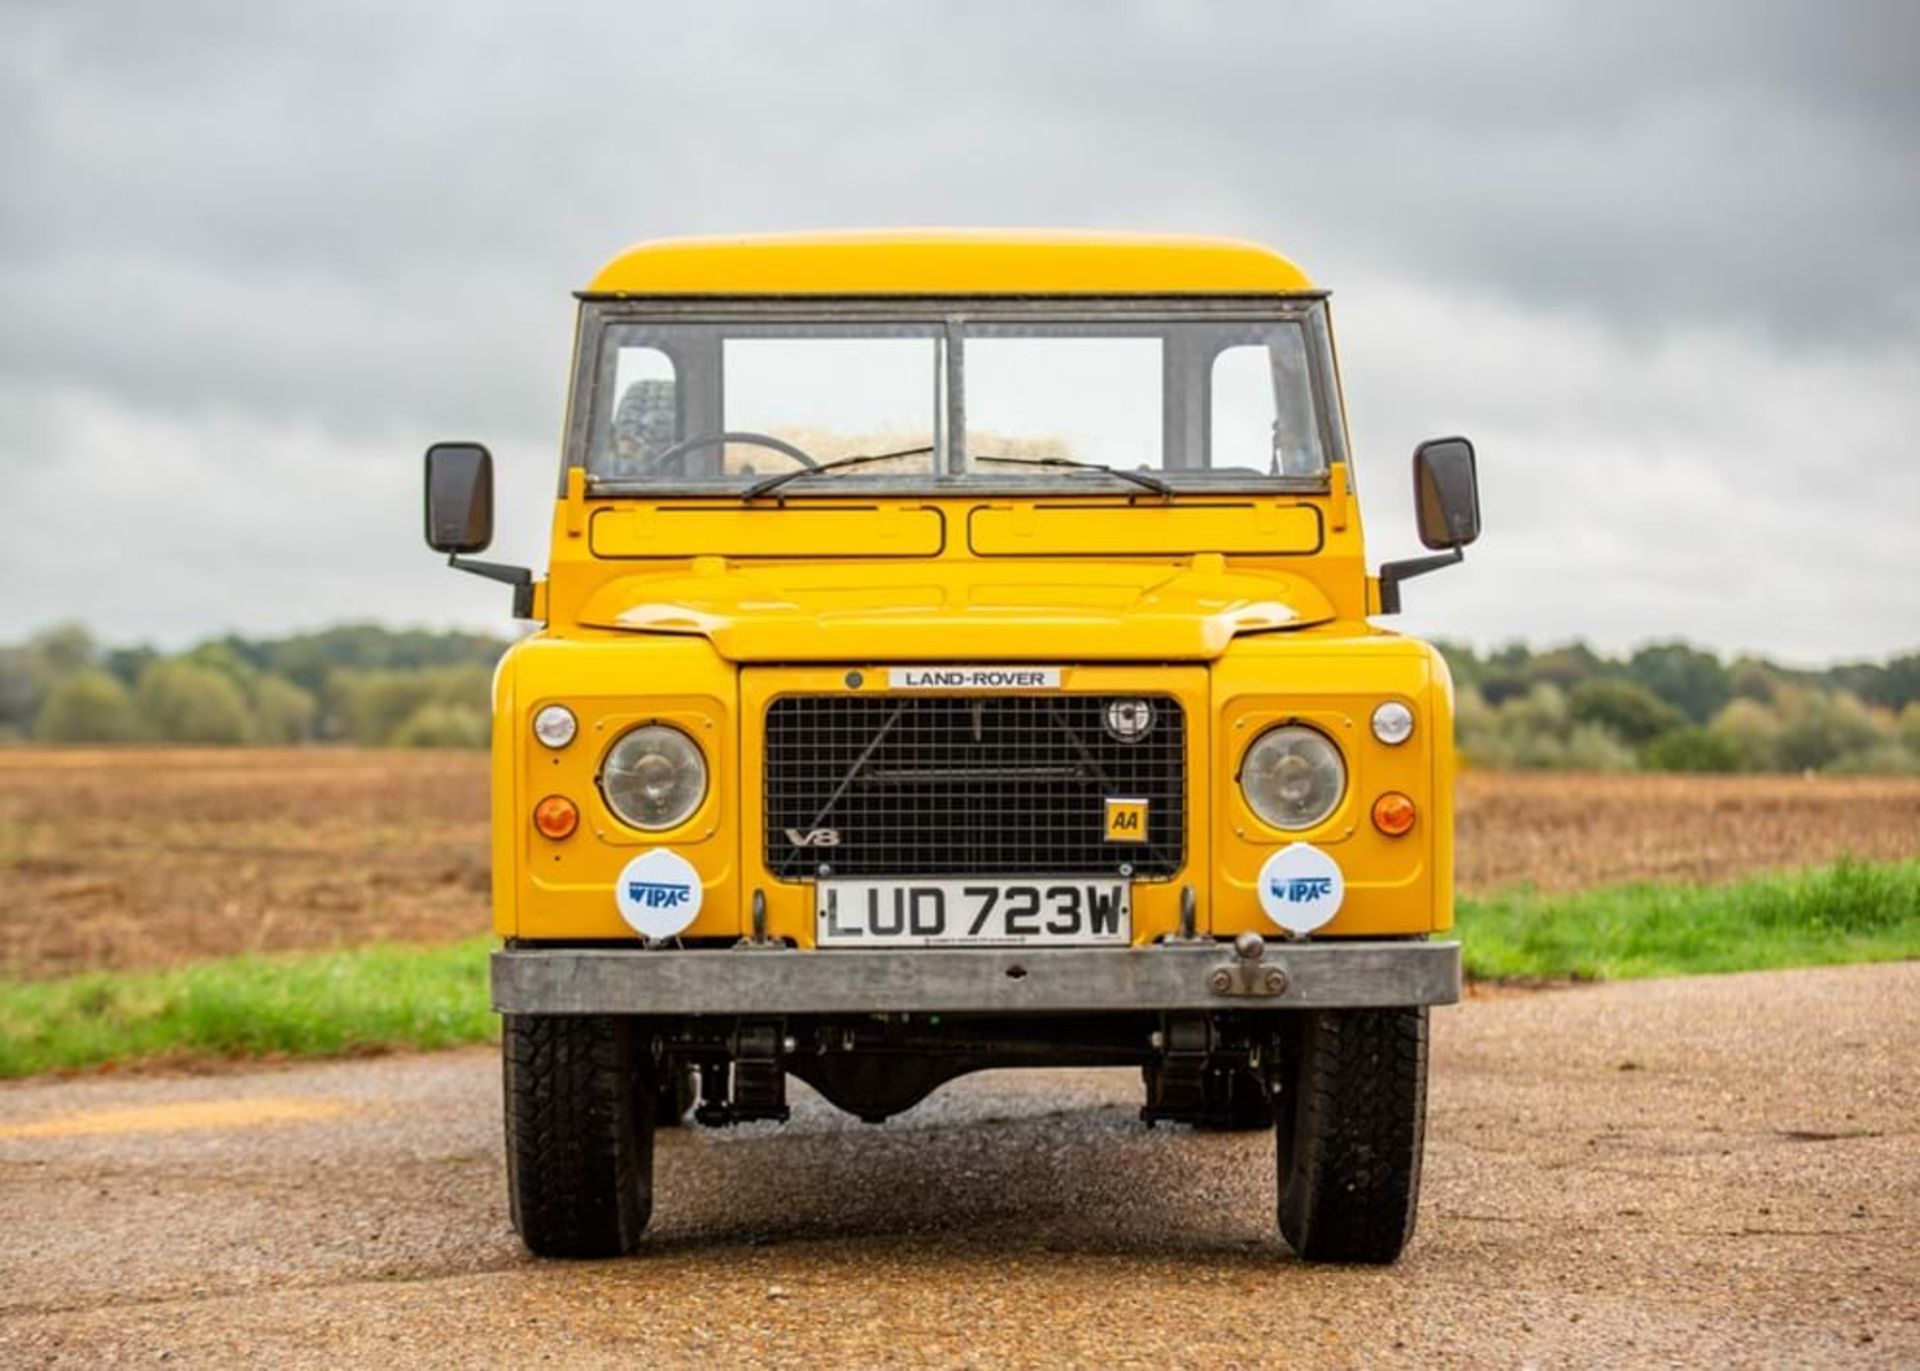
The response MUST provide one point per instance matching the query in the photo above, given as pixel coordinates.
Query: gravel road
(1706, 1172)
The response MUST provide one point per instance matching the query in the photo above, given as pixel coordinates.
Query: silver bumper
(1188, 975)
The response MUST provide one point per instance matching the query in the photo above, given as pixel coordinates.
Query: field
(1568, 831)
(143, 858)
(150, 858)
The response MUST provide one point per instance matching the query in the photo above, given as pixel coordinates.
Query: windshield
(957, 397)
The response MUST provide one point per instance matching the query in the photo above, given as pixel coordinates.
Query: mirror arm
(519, 577)
(1393, 573)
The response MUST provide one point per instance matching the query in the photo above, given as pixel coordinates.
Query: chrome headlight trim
(1293, 777)
(654, 777)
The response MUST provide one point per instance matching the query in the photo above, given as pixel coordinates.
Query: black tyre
(1349, 1133)
(580, 1109)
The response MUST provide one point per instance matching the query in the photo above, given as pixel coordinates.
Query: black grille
(989, 785)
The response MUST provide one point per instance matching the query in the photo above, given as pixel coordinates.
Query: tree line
(1664, 707)
(358, 683)
(1673, 707)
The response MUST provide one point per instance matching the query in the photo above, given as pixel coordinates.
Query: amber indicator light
(556, 816)
(1393, 814)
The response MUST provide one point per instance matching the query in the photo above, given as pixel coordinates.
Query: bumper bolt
(1221, 981)
(1276, 980)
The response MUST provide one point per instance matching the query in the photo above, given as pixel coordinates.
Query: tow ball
(1249, 975)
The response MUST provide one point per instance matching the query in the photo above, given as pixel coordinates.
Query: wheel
(1349, 1132)
(580, 1108)
(1234, 1101)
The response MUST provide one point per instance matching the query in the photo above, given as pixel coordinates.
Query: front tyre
(580, 1112)
(1349, 1133)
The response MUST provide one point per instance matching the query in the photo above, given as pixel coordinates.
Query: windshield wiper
(774, 482)
(1139, 478)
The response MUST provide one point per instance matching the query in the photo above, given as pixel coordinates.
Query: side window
(646, 414)
(1261, 416)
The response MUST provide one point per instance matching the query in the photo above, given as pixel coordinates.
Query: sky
(1661, 262)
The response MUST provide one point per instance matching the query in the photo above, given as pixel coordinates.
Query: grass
(1849, 912)
(386, 997)
(326, 1004)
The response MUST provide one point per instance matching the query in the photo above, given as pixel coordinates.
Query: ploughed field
(146, 857)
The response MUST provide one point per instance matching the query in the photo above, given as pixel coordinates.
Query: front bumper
(1007, 980)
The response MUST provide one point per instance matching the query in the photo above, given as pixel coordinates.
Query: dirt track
(1709, 1171)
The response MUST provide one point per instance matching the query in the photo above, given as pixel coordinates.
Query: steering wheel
(700, 440)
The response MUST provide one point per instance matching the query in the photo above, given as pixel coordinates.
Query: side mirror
(459, 498)
(1446, 492)
(460, 516)
(1446, 501)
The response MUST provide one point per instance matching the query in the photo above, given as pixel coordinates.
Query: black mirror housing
(1446, 492)
(1446, 501)
(459, 483)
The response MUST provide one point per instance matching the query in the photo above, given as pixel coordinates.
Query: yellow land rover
(957, 653)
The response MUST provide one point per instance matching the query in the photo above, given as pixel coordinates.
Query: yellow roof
(940, 262)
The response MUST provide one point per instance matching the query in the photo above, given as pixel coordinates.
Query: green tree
(307, 659)
(181, 702)
(1500, 685)
(1910, 727)
(1462, 664)
(1892, 685)
(371, 706)
(63, 648)
(1537, 731)
(1690, 680)
(127, 663)
(437, 724)
(1902, 686)
(1753, 731)
(226, 659)
(1750, 678)
(1631, 711)
(1591, 747)
(1692, 748)
(368, 707)
(1819, 730)
(87, 707)
(21, 689)
(1567, 667)
(282, 711)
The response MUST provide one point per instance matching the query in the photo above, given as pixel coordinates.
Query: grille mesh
(969, 785)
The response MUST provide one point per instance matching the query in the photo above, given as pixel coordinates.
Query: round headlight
(555, 726)
(1393, 723)
(654, 777)
(1293, 777)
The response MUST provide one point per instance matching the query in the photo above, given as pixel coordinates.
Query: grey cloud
(327, 233)
(1638, 162)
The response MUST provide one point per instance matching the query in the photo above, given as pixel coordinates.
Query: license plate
(982, 913)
